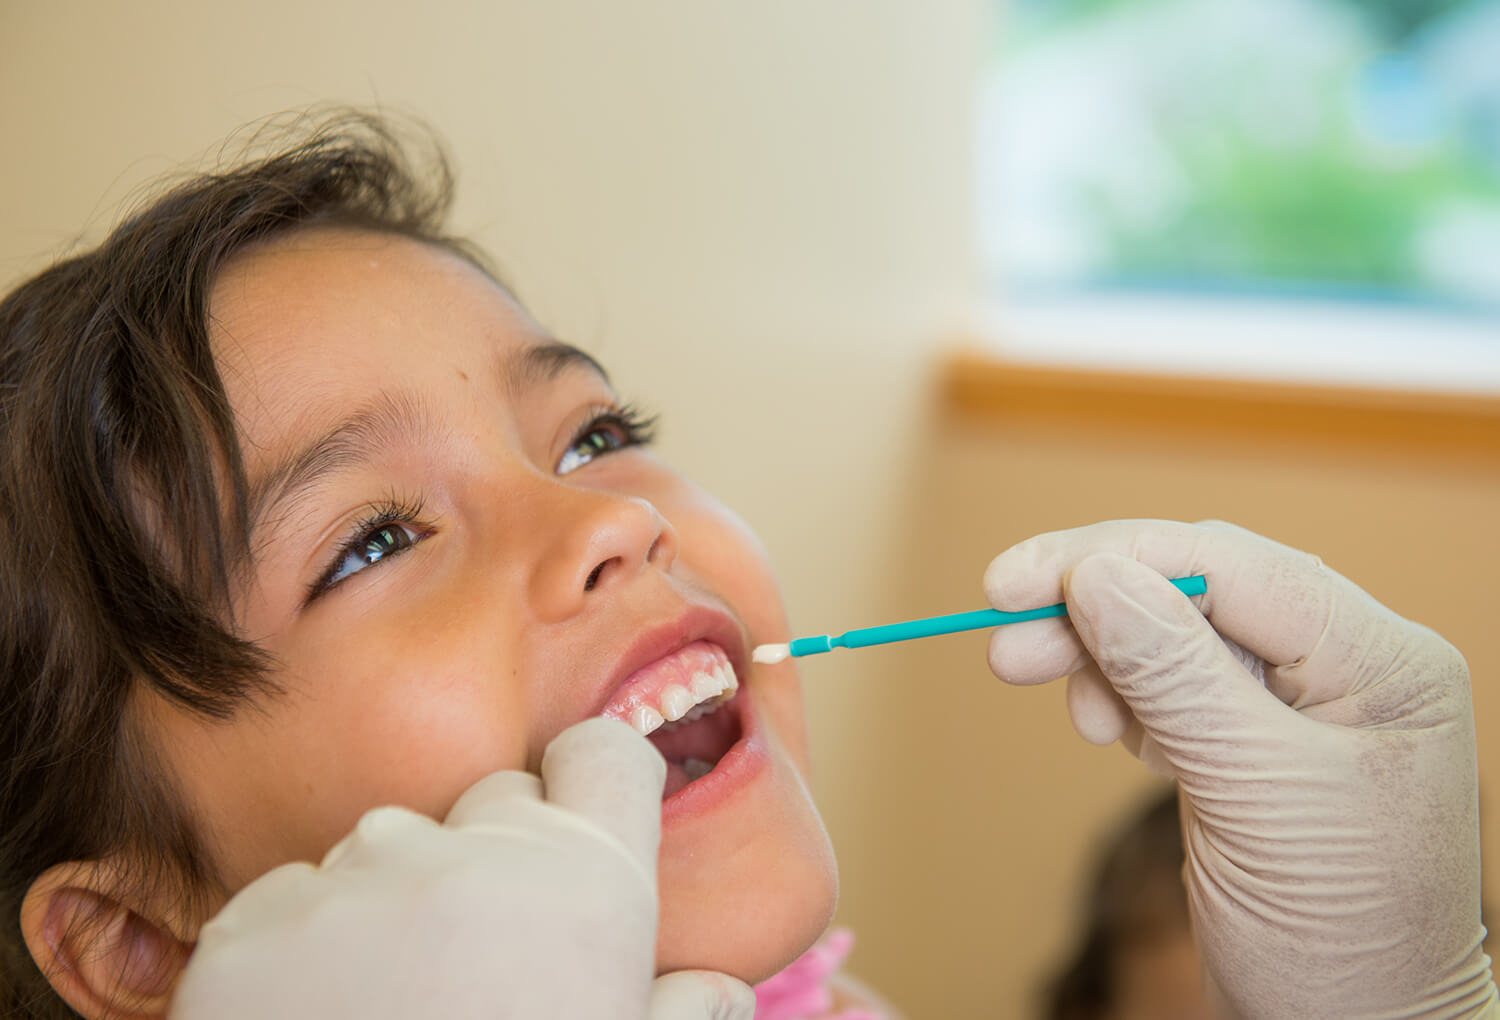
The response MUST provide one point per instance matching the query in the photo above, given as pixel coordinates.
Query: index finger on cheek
(609, 774)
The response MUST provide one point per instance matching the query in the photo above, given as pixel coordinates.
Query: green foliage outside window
(1330, 147)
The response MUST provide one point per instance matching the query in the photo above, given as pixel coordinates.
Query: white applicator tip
(769, 654)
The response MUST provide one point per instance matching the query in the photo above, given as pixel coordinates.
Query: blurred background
(910, 282)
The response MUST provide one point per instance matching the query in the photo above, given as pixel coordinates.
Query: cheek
(718, 547)
(421, 710)
(389, 716)
(719, 550)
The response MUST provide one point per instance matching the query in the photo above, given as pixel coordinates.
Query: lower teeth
(697, 768)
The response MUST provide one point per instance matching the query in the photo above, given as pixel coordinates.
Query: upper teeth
(707, 691)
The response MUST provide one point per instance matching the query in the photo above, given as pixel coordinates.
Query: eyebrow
(543, 362)
(389, 418)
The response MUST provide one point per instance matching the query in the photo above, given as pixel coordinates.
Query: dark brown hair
(123, 507)
(1135, 895)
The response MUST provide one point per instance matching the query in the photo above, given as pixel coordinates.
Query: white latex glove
(519, 905)
(1323, 746)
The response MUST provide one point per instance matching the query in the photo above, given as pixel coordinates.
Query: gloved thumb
(701, 995)
(1189, 691)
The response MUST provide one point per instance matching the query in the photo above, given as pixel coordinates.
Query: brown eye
(598, 440)
(613, 430)
(377, 542)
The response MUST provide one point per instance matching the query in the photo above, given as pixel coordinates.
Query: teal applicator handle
(951, 624)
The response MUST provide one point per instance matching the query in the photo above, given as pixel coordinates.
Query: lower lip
(739, 767)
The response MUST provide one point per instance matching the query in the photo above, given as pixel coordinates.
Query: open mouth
(693, 747)
(686, 705)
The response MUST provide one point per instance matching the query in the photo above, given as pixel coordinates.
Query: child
(306, 515)
(1135, 956)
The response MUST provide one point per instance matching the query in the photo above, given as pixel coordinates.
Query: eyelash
(630, 426)
(391, 512)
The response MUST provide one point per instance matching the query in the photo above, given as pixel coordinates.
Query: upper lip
(695, 623)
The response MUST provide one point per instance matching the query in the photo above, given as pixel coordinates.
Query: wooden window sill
(982, 386)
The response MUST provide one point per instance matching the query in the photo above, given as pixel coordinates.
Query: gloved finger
(494, 797)
(1098, 712)
(281, 892)
(608, 773)
(1036, 652)
(700, 995)
(393, 839)
(1189, 691)
(1096, 718)
(1281, 604)
(380, 834)
(1147, 751)
(1029, 575)
(1102, 717)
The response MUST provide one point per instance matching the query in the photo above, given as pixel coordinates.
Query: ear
(102, 956)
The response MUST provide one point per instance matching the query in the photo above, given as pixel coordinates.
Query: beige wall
(757, 213)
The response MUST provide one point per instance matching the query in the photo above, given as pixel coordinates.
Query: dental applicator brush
(931, 627)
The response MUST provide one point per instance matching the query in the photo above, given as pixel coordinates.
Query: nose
(598, 540)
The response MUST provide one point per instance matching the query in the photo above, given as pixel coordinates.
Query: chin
(750, 940)
(755, 913)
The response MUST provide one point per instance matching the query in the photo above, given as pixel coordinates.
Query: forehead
(319, 320)
(328, 283)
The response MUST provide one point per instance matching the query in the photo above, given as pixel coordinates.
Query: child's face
(498, 569)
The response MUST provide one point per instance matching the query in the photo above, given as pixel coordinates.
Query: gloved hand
(1323, 746)
(520, 904)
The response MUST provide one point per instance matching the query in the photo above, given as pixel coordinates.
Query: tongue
(677, 778)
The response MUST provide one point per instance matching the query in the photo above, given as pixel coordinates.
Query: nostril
(594, 577)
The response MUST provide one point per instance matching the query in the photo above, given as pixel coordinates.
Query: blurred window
(1247, 184)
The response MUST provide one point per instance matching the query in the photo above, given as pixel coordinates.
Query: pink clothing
(801, 991)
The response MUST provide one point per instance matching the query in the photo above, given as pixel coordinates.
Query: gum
(645, 685)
